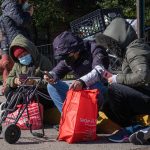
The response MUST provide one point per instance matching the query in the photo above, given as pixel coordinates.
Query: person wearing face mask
(28, 62)
(76, 56)
(129, 90)
(16, 19)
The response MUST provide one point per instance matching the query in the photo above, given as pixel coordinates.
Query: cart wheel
(12, 133)
(2, 106)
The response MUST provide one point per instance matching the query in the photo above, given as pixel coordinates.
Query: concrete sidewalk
(28, 142)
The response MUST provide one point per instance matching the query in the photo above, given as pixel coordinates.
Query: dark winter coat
(14, 20)
(136, 65)
(91, 56)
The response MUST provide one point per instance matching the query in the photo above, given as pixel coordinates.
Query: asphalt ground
(49, 142)
(28, 142)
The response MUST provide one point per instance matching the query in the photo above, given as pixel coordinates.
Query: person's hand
(17, 81)
(77, 85)
(112, 79)
(31, 11)
(48, 78)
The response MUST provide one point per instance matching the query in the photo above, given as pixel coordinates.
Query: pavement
(49, 142)
(28, 142)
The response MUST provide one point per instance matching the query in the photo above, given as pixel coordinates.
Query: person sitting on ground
(77, 56)
(129, 90)
(14, 21)
(29, 62)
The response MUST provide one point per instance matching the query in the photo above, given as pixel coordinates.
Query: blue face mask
(26, 7)
(25, 60)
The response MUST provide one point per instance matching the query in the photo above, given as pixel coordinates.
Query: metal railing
(47, 50)
(147, 11)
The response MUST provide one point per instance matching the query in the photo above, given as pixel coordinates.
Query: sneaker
(140, 137)
(122, 136)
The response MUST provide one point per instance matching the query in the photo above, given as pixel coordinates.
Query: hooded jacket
(136, 65)
(40, 62)
(136, 54)
(91, 56)
(14, 21)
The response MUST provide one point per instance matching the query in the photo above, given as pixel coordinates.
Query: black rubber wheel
(11, 133)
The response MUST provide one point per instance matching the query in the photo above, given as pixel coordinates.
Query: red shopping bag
(35, 116)
(79, 116)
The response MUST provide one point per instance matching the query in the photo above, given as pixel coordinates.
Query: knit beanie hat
(17, 51)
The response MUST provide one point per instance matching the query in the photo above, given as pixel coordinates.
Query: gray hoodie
(136, 54)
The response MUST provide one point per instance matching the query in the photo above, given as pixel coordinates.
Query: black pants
(9, 92)
(124, 103)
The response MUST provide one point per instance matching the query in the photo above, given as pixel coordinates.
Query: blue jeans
(59, 90)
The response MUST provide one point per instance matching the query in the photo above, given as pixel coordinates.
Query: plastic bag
(79, 116)
(35, 116)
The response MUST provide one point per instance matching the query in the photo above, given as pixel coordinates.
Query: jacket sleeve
(12, 75)
(140, 70)
(92, 77)
(4, 45)
(100, 58)
(61, 70)
(15, 12)
(4, 40)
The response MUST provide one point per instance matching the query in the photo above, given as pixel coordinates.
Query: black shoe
(140, 137)
(56, 127)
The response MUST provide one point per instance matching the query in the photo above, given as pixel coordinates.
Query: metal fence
(47, 50)
(147, 20)
(147, 12)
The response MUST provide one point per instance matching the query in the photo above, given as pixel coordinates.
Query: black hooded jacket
(14, 21)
